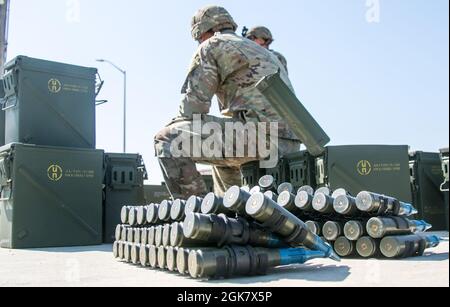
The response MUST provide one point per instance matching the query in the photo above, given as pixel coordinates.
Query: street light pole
(124, 100)
(124, 111)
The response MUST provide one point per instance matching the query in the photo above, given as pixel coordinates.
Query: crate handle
(5, 102)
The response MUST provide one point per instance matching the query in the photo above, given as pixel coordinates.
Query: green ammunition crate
(155, 194)
(124, 186)
(426, 180)
(49, 103)
(445, 184)
(377, 168)
(251, 173)
(2, 115)
(50, 196)
(300, 169)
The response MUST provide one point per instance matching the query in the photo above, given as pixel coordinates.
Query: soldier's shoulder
(278, 54)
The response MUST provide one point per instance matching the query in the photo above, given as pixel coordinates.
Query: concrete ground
(95, 266)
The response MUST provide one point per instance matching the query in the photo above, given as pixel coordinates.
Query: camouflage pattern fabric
(226, 66)
(229, 66)
(281, 58)
(260, 32)
(181, 175)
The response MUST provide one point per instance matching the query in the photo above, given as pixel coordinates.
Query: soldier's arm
(201, 84)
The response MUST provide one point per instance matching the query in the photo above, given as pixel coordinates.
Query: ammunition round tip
(162, 257)
(256, 204)
(271, 195)
(153, 256)
(141, 216)
(171, 260)
(152, 214)
(339, 192)
(118, 232)
(176, 234)
(303, 200)
(166, 235)
(158, 235)
(191, 225)
(143, 255)
(341, 204)
(285, 199)
(209, 204)
(256, 189)
(331, 231)
(164, 210)
(135, 253)
(343, 247)
(182, 260)
(124, 214)
(366, 247)
(232, 198)
(375, 228)
(353, 230)
(195, 264)
(267, 182)
(193, 205)
(144, 236)
(177, 210)
(116, 249)
(324, 190)
(364, 201)
(151, 235)
(121, 251)
(127, 252)
(285, 187)
(307, 189)
(390, 247)
(132, 220)
(319, 202)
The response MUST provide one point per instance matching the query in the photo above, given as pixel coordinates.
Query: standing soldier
(263, 37)
(228, 66)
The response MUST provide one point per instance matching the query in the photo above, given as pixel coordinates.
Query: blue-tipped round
(407, 210)
(298, 255)
(327, 249)
(433, 241)
(423, 226)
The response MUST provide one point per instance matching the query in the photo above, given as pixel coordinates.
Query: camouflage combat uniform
(227, 66)
(281, 58)
(265, 34)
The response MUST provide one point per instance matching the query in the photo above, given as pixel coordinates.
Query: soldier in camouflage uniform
(263, 37)
(227, 66)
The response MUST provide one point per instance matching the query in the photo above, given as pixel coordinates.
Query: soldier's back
(241, 63)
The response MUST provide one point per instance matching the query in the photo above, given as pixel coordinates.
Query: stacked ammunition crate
(51, 174)
(249, 231)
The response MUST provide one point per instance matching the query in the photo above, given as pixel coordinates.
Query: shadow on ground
(321, 273)
(106, 248)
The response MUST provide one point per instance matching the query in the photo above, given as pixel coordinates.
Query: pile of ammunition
(249, 231)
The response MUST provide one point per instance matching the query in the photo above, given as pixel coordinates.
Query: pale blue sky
(366, 83)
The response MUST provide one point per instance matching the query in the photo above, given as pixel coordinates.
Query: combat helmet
(213, 18)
